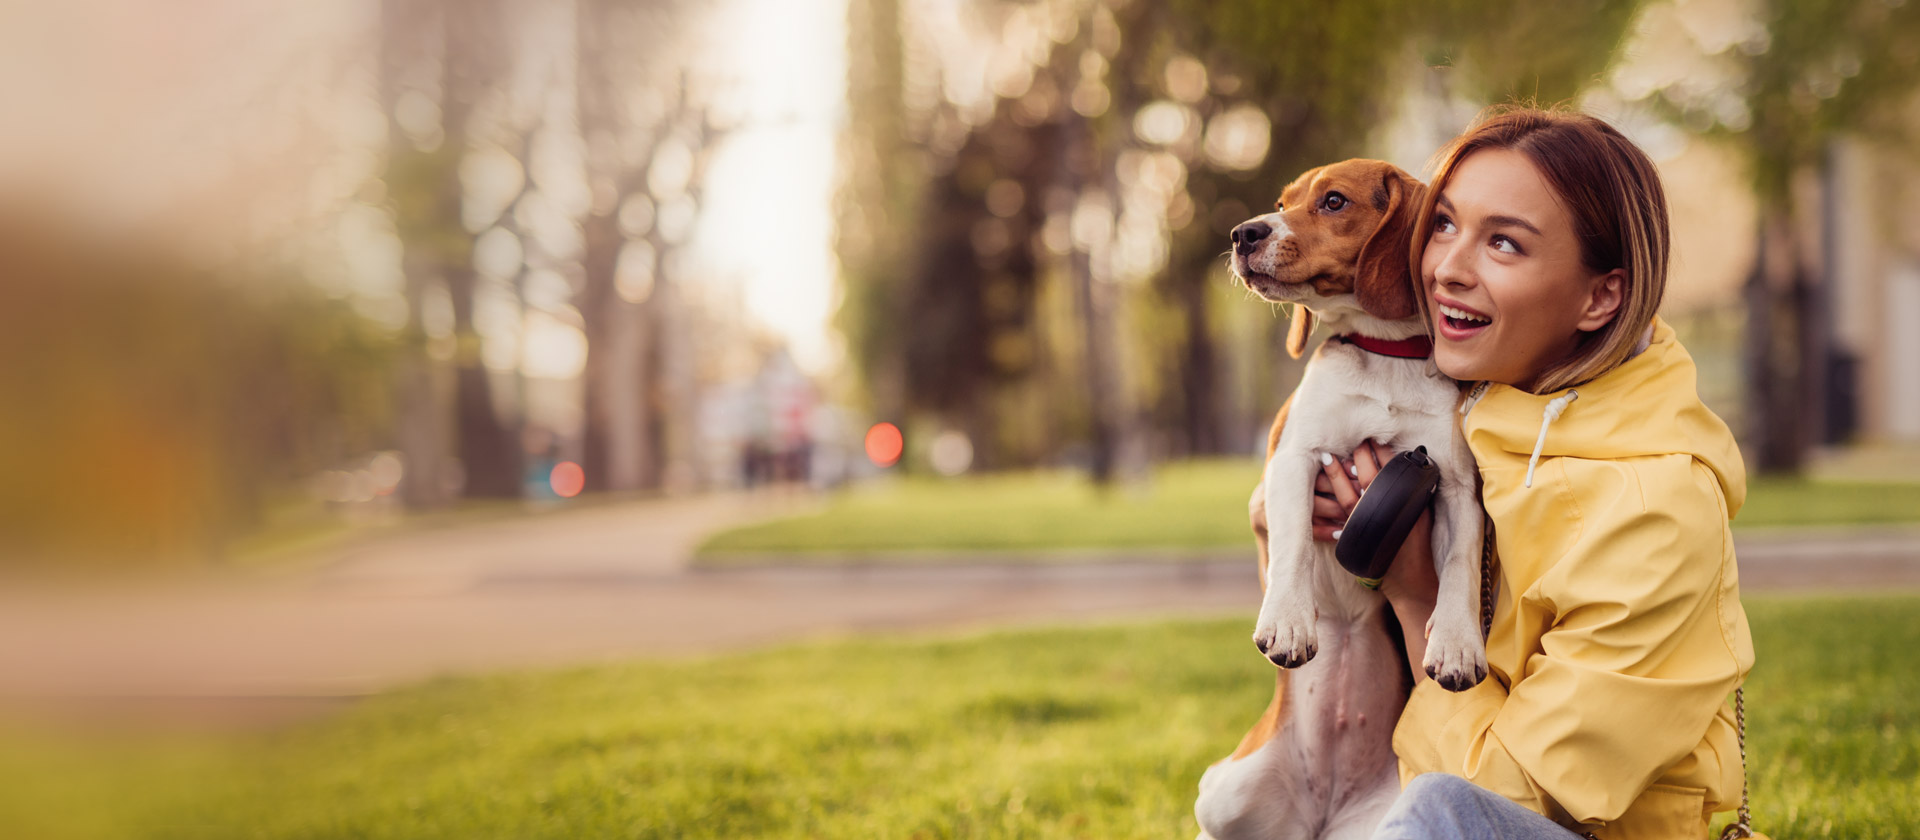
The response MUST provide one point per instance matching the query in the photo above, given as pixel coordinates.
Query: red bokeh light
(568, 479)
(884, 444)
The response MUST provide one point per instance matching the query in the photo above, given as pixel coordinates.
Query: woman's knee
(1432, 805)
(1437, 788)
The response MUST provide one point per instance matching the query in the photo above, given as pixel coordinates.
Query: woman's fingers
(1342, 485)
(1366, 463)
(1382, 453)
(1328, 508)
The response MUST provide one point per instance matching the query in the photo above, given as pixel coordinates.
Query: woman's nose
(1453, 268)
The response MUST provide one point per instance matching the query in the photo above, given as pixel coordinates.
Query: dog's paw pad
(1287, 644)
(1455, 662)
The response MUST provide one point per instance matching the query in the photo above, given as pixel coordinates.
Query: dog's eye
(1334, 201)
(1279, 205)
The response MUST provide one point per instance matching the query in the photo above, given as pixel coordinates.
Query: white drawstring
(1552, 413)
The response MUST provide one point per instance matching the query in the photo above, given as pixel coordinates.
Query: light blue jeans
(1438, 806)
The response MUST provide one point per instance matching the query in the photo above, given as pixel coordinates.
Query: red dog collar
(1417, 347)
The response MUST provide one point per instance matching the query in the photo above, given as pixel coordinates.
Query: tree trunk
(421, 424)
(1776, 349)
(489, 449)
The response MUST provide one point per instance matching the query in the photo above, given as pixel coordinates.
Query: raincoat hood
(1648, 405)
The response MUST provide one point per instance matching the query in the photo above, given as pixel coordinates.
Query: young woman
(1618, 634)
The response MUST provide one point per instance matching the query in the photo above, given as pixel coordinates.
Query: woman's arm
(1639, 658)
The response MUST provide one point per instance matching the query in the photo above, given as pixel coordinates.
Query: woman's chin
(1462, 369)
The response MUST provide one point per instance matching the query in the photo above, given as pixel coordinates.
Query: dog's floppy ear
(1383, 279)
(1301, 329)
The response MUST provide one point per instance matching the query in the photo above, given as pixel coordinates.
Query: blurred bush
(149, 410)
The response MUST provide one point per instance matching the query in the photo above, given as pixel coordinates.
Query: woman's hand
(1411, 584)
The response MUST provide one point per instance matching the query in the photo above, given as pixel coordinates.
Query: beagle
(1320, 763)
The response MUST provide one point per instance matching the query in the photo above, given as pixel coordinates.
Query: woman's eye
(1505, 245)
(1334, 201)
(1442, 224)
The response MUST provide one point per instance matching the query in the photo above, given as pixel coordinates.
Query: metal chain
(1743, 827)
(1486, 577)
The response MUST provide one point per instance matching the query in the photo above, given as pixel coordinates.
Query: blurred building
(1871, 221)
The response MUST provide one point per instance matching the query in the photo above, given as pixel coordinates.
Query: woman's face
(1503, 276)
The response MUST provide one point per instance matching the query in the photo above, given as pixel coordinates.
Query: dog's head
(1338, 237)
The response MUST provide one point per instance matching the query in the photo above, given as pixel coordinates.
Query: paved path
(611, 583)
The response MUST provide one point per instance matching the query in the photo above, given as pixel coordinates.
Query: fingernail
(1325, 459)
(1336, 534)
(1353, 471)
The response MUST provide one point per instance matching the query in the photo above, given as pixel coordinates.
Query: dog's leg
(1456, 652)
(1286, 631)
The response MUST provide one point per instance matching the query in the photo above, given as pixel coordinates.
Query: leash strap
(1742, 827)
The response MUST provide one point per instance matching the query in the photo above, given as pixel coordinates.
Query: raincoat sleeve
(1638, 660)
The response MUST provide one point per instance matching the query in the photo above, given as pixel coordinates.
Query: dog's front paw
(1289, 642)
(1456, 657)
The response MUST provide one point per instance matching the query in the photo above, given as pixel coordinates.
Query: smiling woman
(1617, 632)
(1520, 222)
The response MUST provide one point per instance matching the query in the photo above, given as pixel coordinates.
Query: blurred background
(270, 265)
(453, 336)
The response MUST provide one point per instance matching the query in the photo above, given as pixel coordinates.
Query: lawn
(1097, 732)
(1190, 505)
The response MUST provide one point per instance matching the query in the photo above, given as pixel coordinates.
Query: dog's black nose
(1248, 233)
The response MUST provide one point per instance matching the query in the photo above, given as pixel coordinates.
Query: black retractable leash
(1384, 515)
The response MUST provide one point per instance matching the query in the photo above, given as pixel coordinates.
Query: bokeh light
(951, 453)
(568, 479)
(884, 444)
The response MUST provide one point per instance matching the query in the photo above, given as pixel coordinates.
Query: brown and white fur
(1320, 762)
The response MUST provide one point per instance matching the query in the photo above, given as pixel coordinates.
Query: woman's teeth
(1463, 315)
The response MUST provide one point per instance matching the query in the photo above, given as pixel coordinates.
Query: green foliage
(1082, 732)
(942, 327)
(1810, 70)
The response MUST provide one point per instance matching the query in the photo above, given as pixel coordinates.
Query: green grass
(1190, 505)
(1798, 501)
(1059, 733)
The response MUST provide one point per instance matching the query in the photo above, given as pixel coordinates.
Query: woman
(1618, 632)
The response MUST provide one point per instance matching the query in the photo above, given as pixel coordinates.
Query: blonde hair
(1619, 215)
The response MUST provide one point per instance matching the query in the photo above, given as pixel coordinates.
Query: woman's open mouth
(1456, 324)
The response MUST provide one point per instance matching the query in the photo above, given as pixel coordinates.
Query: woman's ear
(1609, 291)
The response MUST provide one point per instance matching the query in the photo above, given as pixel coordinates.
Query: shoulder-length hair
(1619, 212)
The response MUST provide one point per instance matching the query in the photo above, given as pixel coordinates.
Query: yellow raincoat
(1618, 636)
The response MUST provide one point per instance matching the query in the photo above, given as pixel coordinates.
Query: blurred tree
(647, 162)
(1134, 122)
(477, 58)
(150, 413)
(884, 166)
(414, 171)
(1805, 73)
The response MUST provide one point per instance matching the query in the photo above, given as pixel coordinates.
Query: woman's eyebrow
(1496, 220)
